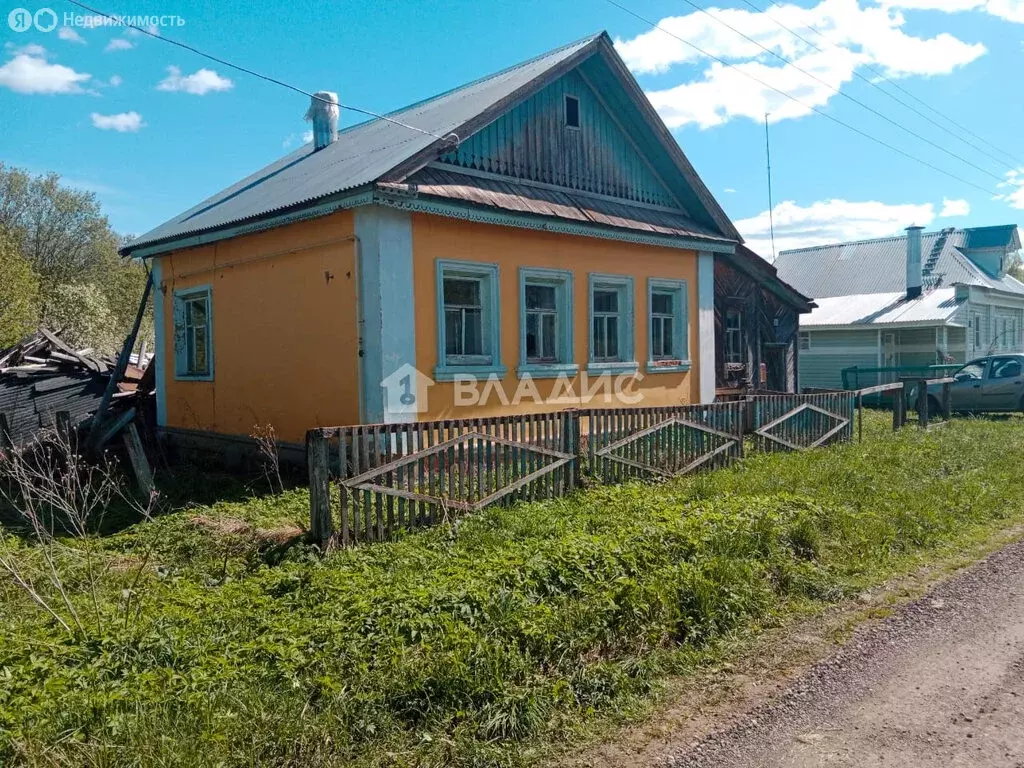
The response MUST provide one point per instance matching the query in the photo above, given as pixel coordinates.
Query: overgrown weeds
(478, 644)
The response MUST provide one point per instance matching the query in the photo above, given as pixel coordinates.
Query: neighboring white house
(916, 299)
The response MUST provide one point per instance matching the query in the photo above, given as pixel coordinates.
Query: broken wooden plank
(137, 457)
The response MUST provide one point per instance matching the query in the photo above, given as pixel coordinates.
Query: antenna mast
(771, 212)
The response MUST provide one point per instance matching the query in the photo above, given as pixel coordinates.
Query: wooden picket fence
(798, 422)
(369, 481)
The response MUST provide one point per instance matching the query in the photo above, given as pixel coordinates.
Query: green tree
(19, 293)
(85, 288)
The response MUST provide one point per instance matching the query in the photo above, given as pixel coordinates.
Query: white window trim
(680, 326)
(490, 289)
(623, 286)
(562, 280)
(180, 297)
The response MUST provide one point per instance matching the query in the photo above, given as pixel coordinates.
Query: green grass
(483, 643)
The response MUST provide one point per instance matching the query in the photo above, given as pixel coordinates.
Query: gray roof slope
(369, 151)
(379, 150)
(879, 266)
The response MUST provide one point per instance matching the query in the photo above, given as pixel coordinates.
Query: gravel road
(939, 683)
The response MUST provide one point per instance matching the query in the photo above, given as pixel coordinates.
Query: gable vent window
(572, 112)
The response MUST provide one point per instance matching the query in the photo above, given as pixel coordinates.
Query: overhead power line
(840, 92)
(805, 105)
(119, 21)
(881, 75)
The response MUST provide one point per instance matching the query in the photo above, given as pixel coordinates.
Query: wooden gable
(532, 141)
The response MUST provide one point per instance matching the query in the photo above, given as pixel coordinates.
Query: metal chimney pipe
(913, 262)
(323, 112)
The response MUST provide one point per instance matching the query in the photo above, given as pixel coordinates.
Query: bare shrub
(270, 455)
(62, 499)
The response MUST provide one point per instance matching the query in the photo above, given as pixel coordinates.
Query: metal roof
(879, 266)
(932, 307)
(380, 151)
(362, 154)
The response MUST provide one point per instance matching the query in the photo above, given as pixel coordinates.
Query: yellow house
(531, 241)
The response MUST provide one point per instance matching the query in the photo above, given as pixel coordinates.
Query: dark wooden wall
(771, 329)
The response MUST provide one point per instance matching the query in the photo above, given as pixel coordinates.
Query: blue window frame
(611, 324)
(193, 334)
(545, 322)
(668, 332)
(468, 320)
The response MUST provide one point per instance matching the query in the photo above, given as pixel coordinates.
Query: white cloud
(728, 190)
(830, 221)
(1010, 10)
(115, 80)
(954, 208)
(30, 72)
(1015, 184)
(69, 34)
(119, 44)
(856, 37)
(291, 139)
(124, 122)
(32, 49)
(199, 82)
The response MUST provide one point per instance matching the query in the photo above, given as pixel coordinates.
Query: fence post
(898, 399)
(318, 466)
(922, 403)
(571, 445)
(860, 417)
(947, 401)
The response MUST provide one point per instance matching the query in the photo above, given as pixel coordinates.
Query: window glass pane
(540, 297)
(196, 312)
(599, 338)
(657, 338)
(606, 301)
(661, 303)
(667, 349)
(532, 336)
(461, 292)
(474, 342)
(199, 360)
(612, 341)
(572, 112)
(453, 332)
(548, 345)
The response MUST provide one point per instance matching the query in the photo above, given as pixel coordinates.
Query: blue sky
(153, 129)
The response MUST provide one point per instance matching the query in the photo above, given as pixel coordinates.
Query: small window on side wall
(735, 340)
(668, 333)
(193, 334)
(805, 340)
(467, 320)
(572, 112)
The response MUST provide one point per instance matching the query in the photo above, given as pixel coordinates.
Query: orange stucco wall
(284, 330)
(442, 238)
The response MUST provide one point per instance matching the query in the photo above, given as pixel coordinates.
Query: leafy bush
(477, 644)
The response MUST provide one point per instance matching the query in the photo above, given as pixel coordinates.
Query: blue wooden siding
(533, 142)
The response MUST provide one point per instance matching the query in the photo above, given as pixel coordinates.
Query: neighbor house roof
(382, 151)
(756, 267)
(933, 307)
(879, 266)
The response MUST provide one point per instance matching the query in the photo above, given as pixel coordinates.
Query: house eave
(468, 212)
